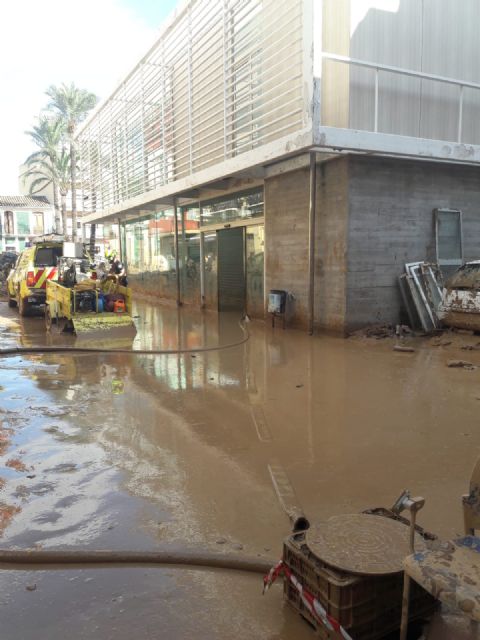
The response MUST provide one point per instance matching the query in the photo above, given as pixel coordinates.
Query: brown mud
(137, 452)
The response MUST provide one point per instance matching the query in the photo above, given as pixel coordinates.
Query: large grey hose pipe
(41, 559)
(14, 351)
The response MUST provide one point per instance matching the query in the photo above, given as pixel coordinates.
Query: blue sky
(153, 12)
(109, 37)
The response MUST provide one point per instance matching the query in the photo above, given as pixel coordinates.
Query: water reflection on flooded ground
(122, 451)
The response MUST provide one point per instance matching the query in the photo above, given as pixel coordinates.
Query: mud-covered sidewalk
(118, 451)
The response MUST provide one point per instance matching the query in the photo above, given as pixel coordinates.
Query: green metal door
(231, 270)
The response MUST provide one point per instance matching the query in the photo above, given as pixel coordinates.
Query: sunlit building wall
(214, 129)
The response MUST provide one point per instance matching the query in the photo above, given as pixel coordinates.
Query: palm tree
(47, 135)
(43, 172)
(72, 105)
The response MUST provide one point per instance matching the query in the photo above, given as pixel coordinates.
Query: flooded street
(199, 450)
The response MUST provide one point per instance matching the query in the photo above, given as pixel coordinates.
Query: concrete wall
(331, 244)
(373, 215)
(391, 222)
(286, 242)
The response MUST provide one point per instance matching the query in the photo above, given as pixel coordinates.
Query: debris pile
(461, 364)
(378, 331)
(421, 287)
(403, 349)
(440, 343)
(471, 347)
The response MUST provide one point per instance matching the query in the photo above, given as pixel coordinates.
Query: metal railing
(383, 68)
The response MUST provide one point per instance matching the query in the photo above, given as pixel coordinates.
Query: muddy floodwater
(200, 450)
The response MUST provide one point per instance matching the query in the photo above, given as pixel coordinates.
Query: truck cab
(26, 283)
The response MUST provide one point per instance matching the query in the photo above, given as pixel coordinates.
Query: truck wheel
(23, 307)
(12, 302)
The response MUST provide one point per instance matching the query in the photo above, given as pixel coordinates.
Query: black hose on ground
(13, 351)
(141, 352)
(41, 559)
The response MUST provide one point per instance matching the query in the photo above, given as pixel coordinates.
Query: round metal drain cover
(361, 543)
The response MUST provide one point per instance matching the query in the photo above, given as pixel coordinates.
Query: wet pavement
(200, 450)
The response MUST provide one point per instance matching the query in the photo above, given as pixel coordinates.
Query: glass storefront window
(228, 209)
(149, 243)
(189, 253)
(189, 248)
(149, 252)
(191, 218)
(210, 265)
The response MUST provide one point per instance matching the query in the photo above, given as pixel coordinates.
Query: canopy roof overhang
(281, 156)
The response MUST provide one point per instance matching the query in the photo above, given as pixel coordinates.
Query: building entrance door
(231, 269)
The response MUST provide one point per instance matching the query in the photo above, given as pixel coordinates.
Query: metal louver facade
(225, 77)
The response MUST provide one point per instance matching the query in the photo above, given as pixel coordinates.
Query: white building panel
(430, 37)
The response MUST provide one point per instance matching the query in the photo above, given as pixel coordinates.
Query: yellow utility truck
(81, 303)
(27, 281)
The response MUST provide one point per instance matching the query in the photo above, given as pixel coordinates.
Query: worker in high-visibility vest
(110, 253)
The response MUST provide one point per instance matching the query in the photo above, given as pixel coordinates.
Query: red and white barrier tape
(316, 609)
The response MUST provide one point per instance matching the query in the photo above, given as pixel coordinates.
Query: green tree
(71, 105)
(48, 135)
(43, 171)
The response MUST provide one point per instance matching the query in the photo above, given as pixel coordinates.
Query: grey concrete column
(202, 270)
(311, 242)
(120, 246)
(177, 256)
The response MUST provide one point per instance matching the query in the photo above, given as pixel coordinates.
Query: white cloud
(93, 44)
